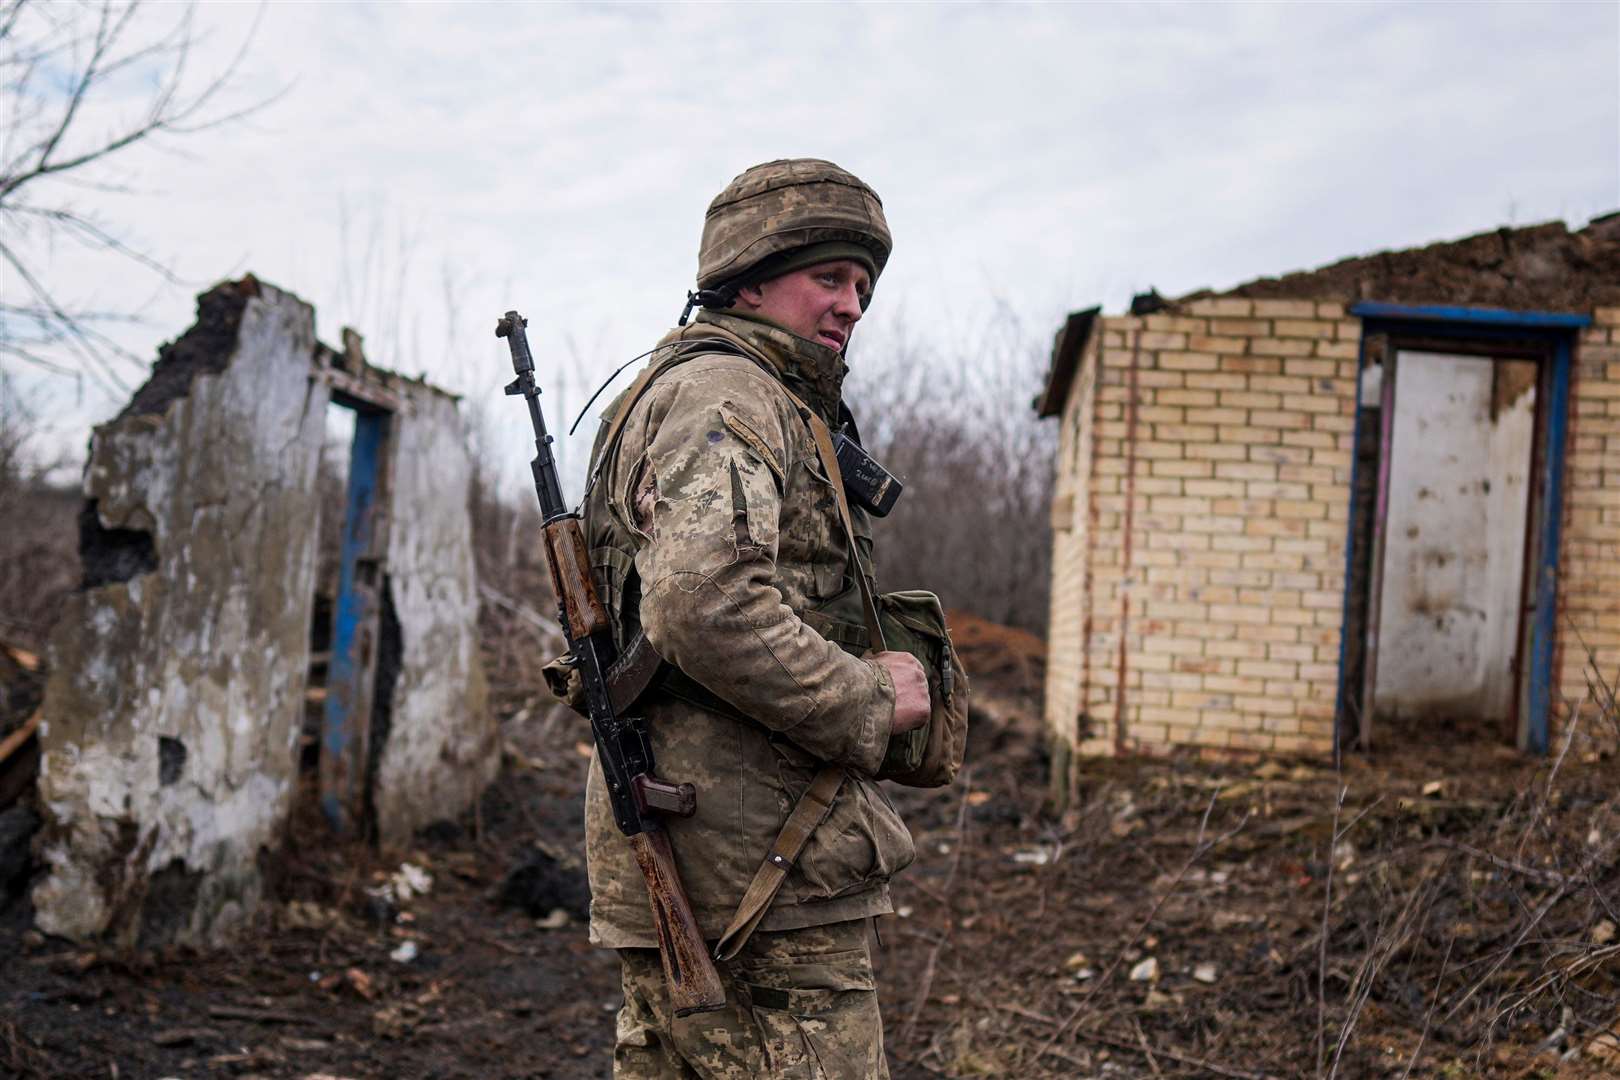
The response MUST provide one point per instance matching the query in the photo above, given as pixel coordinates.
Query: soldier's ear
(751, 296)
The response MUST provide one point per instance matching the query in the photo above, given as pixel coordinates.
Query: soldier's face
(821, 302)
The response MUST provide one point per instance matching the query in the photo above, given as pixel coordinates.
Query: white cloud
(558, 159)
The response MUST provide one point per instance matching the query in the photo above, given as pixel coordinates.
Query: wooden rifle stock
(571, 578)
(694, 984)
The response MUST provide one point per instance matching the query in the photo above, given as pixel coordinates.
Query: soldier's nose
(848, 305)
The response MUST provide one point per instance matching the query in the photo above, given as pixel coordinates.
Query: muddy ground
(1167, 924)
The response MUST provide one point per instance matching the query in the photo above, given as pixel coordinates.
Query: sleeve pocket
(751, 438)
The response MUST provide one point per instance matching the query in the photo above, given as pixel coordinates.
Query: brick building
(1343, 504)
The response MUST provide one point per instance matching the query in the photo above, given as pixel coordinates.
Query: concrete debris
(405, 953)
(1145, 971)
(1033, 857)
(403, 885)
(554, 921)
(308, 915)
(1204, 973)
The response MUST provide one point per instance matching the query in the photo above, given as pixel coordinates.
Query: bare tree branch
(52, 139)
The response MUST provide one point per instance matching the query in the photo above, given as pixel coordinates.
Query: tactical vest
(839, 618)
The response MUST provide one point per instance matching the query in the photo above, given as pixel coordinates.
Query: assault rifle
(639, 799)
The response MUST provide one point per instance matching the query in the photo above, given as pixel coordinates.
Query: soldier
(714, 531)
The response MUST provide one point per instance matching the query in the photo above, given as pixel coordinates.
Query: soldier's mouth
(832, 338)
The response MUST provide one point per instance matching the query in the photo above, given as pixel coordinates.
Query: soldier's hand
(910, 690)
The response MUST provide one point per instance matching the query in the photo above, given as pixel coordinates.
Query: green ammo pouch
(929, 756)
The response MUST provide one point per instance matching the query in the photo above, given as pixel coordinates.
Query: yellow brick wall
(1240, 485)
(1589, 566)
(1070, 534)
(1228, 588)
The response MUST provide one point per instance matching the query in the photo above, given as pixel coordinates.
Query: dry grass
(1445, 910)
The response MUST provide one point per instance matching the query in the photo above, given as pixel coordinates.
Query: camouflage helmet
(754, 227)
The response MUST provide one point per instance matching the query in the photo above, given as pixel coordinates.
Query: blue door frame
(350, 674)
(1554, 336)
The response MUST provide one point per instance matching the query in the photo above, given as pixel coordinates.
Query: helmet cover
(775, 209)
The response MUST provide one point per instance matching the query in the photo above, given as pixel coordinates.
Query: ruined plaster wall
(442, 746)
(1228, 593)
(1071, 535)
(1589, 589)
(172, 711)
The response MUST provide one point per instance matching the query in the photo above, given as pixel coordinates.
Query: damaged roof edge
(206, 348)
(1066, 352)
(1542, 267)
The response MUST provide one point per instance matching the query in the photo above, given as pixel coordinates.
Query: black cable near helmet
(783, 216)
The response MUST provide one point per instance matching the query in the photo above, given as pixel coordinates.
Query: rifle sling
(812, 809)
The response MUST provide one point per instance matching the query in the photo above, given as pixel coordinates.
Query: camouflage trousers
(799, 1004)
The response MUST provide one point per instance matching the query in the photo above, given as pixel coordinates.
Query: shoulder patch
(740, 428)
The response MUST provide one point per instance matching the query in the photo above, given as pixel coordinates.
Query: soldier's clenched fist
(910, 690)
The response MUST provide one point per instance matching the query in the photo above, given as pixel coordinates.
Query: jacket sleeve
(703, 493)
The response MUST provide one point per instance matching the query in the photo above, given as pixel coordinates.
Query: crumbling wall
(173, 711)
(441, 746)
(177, 672)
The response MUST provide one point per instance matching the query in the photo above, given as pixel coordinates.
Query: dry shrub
(952, 419)
(39, 554)
(516, 611)
(1489, 932)
(1457, 911)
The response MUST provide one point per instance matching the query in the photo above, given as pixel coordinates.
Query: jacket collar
(811, 370)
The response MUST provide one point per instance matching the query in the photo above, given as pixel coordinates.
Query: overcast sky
(430, 166)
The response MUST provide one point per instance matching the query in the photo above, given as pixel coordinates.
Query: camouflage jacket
(712, 524)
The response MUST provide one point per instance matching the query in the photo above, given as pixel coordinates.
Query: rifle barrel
(547, 484)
